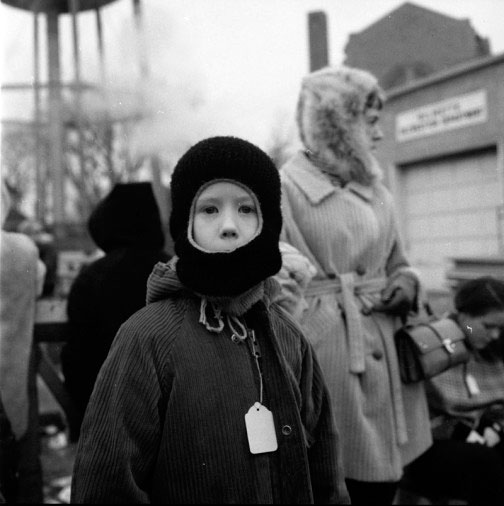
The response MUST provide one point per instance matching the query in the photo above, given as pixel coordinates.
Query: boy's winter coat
(172, 428)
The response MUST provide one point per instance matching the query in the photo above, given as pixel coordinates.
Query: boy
(210, 393)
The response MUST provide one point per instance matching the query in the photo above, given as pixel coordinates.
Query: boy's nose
(228, 229)
(229, 233)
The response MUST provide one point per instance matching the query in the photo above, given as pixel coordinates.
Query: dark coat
(126, 225)
(166, 423)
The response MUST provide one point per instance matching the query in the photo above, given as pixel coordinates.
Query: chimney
(317, 36)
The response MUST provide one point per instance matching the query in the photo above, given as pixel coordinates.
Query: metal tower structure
(48, 95)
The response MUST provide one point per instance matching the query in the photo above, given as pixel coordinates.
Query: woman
(467, 406)
(341, 217)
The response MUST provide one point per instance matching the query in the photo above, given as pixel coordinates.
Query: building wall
(449, 183)
(413, 42)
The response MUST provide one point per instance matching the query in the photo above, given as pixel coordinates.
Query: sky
(216, 67)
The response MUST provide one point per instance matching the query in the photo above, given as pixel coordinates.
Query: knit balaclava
(330, 119)
(226, 274)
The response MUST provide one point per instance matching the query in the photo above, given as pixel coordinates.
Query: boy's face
(482, 330)
(226, 216)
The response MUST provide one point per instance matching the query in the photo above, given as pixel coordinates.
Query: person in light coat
(339, 214)
(21, 280)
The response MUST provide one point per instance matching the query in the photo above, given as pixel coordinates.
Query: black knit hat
(226, 273)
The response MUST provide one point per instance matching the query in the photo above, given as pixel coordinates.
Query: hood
(163, 282)
(331, 121)
(127, 217)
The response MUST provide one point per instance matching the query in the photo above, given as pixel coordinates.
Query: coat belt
(351, 289)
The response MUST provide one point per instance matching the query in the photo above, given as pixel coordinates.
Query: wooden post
(55, 122)
(74, 7)
(40, 193)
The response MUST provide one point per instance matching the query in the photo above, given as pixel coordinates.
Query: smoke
(164, 91)
(178, 101)
(183, 77)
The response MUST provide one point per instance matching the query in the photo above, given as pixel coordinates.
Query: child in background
(210, 393)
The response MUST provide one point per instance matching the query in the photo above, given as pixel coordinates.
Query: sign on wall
(455, 112)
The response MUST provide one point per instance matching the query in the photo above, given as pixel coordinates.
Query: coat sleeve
(397, 260)
(398, 269)
(293, 284)
(291, 234)
(324, 449)
(122, 427)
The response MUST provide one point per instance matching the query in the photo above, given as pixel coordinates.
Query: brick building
(412, 42)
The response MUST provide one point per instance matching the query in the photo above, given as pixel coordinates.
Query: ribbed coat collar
(316, 185)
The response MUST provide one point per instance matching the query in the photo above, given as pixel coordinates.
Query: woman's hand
(399, 296)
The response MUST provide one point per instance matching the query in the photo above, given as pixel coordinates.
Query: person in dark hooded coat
(126, 225)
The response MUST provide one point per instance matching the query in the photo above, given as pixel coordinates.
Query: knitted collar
(164, 282)
(239, 305)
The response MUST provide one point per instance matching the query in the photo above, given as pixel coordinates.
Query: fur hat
(330, 117)
(226, 273)
(5, 204)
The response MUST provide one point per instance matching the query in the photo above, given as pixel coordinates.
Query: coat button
(377, 355)
(331, 275)
(360, 270)
(286, 430)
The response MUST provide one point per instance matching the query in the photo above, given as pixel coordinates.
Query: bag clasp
(449, 345)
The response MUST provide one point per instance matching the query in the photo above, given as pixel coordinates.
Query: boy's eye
(245, 209)
(209, 210)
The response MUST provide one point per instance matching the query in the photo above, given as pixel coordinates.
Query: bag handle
(428, 309)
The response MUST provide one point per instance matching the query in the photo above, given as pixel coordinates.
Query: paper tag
(260, 429)
(474, 437)
(472, 385)
(491, 437)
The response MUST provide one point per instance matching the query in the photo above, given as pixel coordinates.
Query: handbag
(425, 350)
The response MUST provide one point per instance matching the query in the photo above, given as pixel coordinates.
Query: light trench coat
(351, 236)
